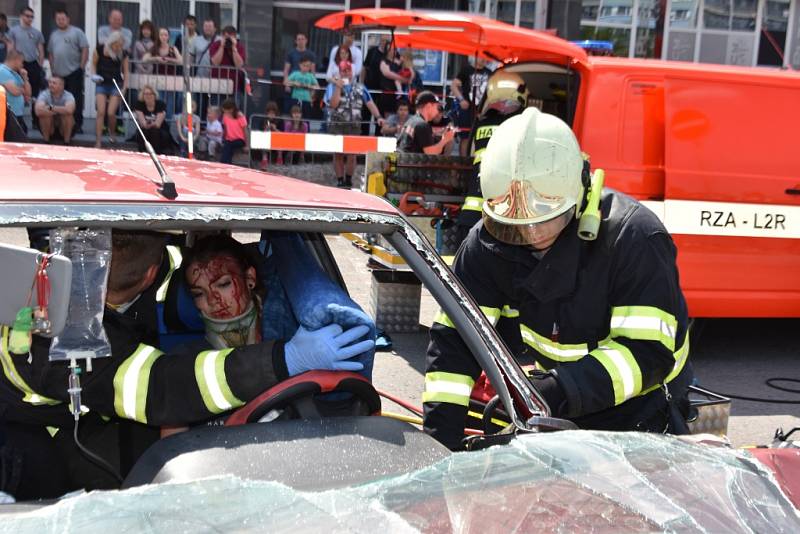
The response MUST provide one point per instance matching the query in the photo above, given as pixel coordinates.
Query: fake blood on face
(219, 287)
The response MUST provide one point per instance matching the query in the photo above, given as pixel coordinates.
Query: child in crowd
(271, 124)
(295, 125)
(235, 125)
(303, 82)
(213, 137)
(180, 129)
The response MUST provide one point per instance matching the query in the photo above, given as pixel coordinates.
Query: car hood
(573, 481)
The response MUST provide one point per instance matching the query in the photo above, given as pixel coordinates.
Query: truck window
(551, 88)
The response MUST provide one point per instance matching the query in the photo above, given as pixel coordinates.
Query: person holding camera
(229, 53)
(417, 134)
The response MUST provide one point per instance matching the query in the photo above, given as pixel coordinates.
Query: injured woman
(246, 294)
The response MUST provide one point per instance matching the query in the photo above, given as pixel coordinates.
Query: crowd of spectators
(56, 102)
(368, 93)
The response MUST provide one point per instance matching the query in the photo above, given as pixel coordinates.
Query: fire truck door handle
(793, 190)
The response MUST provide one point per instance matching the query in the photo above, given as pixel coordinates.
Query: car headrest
(19, 266)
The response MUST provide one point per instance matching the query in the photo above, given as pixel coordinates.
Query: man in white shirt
(348, 40)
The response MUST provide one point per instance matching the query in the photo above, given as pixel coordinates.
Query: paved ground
(731, 356)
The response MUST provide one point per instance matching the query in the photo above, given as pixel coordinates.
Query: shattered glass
(575, 481)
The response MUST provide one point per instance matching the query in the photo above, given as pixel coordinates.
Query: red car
(365, 473)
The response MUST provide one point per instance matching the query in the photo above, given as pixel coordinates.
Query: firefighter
(604, 320)
(139, 388)
(506, 96)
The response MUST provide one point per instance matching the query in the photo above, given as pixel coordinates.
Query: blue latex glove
(326, 349)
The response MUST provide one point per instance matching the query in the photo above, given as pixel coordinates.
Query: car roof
(49, 174)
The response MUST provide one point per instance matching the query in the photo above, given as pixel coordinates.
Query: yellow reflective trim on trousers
(493, 314)
(175, 260)
(452, 388)
(550, 349)
(209, 370)
(13, 376)
(644, 323)
(621, 366)
(472, 204)
(131, 382)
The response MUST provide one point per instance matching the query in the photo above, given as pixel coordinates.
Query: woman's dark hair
(147, 24)
(273, 107)
(349, 58)
(214, 246)
(230, 105)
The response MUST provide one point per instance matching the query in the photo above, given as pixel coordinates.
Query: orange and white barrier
(326, 143)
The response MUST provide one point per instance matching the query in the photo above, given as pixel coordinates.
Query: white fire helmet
(531, 178)
(506, 92)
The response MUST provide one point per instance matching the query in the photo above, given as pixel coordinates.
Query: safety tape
(323, 143)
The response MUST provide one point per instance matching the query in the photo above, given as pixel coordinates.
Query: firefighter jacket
(607, 316)
(138, 382)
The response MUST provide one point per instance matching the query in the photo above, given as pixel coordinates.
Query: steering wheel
(300, 395)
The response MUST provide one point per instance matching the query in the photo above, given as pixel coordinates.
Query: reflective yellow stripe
(131, 383)
(175, 260)
(209, 369)
(644, 323)
(493, 314)
(443, 319)
(447, 387)
(626, 377)
(550, 349)
(13, 376)
(509, 312)
(478, 155)
(472, 204)
(681, 356)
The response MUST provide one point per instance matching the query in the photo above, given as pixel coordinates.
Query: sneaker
(348, 181)
(339, 181)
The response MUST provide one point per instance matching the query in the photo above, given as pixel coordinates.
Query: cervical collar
(234, 332)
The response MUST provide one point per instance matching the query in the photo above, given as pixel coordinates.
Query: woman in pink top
(235, 125)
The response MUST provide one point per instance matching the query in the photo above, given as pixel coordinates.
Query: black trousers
(73, 82)
(37, 465)
(36, 78)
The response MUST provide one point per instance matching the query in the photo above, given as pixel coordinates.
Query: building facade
(738, 32)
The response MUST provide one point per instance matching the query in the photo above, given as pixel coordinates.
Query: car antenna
(167, 189)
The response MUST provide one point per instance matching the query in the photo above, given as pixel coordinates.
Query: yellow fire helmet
(506, 92)
(531, 177)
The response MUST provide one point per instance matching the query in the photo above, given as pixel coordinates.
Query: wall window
(774, 23)
(287, 22)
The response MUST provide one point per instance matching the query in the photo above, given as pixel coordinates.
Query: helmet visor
(539, 235)
(523, 204)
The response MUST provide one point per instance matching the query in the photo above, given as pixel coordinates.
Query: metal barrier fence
(210, 85)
